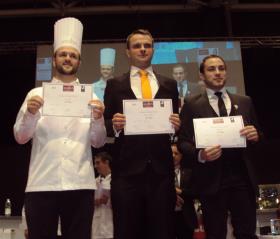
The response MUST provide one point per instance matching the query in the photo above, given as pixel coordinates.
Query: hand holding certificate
(148, 116)
(223, 131)
(67, 100)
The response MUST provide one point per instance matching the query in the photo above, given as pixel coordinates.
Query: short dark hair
(202, 64)
(179, 66)
(104, 156)
(138, 31)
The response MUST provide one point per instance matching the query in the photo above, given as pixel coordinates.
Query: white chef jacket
(102, 224)
(61, 156)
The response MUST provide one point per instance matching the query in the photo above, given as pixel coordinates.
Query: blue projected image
(165, 52)
(187, 52)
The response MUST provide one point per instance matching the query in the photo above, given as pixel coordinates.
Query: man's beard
(61, 70)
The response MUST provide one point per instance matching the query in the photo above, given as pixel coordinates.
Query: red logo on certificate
(68, 88)
(218, 121)
(147, 104)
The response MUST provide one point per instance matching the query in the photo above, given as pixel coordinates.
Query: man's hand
(97, 108)
(99, 201)
(104, 199)
(250, 133)
(175, 121)
(179, 201)
(211, 153)
(118, 121)
(178, 190)
(34, 104)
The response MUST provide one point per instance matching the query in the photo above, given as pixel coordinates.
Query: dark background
(257, 29)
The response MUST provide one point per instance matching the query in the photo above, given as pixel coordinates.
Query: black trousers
(240, 201)
(143, 206)
(182, 229)
(74, 208)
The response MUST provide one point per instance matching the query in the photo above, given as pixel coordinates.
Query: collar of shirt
(213, 99)
(177, 171)
(108, 176)
(135, 81)
(55, 80)
(178, 175)
(183, 82)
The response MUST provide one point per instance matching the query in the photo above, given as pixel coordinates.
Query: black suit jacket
(206, 177)
(193, 88)
(188, 206)
(132, 153)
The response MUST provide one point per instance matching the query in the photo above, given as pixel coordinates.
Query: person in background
(107, 63)
(102, 224)
(185, 87)
(142, 187)
(223, 178)
(61, 178)
(185, 215)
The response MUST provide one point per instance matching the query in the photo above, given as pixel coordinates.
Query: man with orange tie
(142, 186)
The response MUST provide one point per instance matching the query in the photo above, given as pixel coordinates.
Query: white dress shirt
(61, 156)
(183, 84)
(213, 100)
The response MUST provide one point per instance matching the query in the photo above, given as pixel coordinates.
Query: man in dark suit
(222, 178)
(185, 215)
(143, 192)
(185, 87)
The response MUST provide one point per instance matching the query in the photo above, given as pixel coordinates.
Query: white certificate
(148, 116)
(67, 100)
(224, 131)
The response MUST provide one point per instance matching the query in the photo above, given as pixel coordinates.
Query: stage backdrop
(166, 56)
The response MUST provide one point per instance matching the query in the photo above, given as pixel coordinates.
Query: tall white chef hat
(68, 32)
(107, 56)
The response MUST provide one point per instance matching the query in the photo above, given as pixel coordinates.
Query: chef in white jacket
(102, 225)
(61, 180)
(107, 63)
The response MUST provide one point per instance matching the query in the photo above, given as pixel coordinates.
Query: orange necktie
(145, 85)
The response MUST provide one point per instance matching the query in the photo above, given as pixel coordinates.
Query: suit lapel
(234, 105)
(126, 87)
(162, 86)
(210, 112)
(205, 108)
(182, 177)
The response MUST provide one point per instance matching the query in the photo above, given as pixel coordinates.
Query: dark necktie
(177, 184)
(181, 89)
(221, 104)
